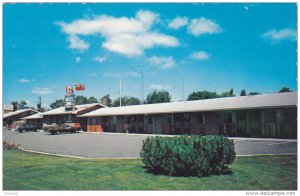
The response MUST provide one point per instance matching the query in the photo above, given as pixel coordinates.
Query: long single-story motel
(267, 115)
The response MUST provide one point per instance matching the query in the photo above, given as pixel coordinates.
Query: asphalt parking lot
(112, 145)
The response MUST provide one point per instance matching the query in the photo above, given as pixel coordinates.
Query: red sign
(79, 87)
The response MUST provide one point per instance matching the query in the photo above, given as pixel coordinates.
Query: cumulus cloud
(123, 75)
(77, 43)
(100, 59)
(23, 80)
(162, 62)
(119, 32)
(160, 87)
(200, 55)
(41, 91)
(276, 36)
(178, 22)
(202, 26)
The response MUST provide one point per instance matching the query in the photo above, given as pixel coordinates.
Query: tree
(158, 97)
(15, 105)
(105, 100)
(254, 93)
(228, 93)
(22, 104)
(243, 93)
(126, 101)
(199, 95)
(80, 99)
(285, 90)
(92, 100)
(58, 103)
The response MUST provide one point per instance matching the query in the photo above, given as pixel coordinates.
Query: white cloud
(123, 75)
(126, 36)
(160, 87)
(200, 55)
(78, 59)
(202, 26)
(178, 22)
(162, 62)
(77, 43)
(23, 80)
(100, 59)
(275, 36)
(41, 91)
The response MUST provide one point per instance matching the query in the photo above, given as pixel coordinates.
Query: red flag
(79, 87)
(69, 90)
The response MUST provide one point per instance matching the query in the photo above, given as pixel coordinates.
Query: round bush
(188, 155)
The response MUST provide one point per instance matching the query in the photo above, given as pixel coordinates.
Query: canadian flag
(79, 87)
(69, 90)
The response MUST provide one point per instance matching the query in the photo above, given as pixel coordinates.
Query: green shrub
(188, 155)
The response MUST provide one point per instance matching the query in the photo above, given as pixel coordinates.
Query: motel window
(149, 119)
(169, 118)
(225, 117)
(93, 121)
(199, 118)
(187, 116)
(177, 118)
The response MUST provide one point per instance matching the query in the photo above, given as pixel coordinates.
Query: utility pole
(183, 89)
(142, 85)
(40, 104)
(120, 93)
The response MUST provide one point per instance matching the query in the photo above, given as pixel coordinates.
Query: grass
(28, 171)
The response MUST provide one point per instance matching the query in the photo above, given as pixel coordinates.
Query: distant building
(8, 109)
(267, 115)
(13, 119)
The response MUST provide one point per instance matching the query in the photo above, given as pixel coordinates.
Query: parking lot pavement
(110, 145)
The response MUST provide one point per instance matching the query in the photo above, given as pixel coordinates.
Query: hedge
(188, 155)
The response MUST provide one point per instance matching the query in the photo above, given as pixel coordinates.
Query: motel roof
(34, 116)
(17, 112)
(229, 103)
(78, 108)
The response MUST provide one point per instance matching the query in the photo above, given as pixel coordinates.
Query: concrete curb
(76, 157)
(129, 158)
(143, 134)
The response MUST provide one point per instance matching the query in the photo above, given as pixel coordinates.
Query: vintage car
(27, 127)
(63, 128)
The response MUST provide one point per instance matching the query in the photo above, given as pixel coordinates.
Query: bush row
(188, 155)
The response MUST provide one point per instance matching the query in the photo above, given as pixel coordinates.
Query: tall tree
(243, 93)
(92, 100)
(254, 93)
(15, 105)
(106, 100)
(80, 100)
(158, 97)
(126, 101)
(57, 103)
(22, 104)
(199, 95)
(285, 90)
(228, 93)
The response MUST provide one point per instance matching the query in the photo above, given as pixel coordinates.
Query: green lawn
(27, 171)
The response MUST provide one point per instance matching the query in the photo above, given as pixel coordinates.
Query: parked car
(27, 127)
(63, 128)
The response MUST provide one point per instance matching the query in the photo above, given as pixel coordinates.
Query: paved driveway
(110, 145)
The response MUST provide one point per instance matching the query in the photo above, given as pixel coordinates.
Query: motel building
(267, 115)
(12, 119)
(63, 115)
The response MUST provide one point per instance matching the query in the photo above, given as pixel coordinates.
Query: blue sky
(208, 46)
